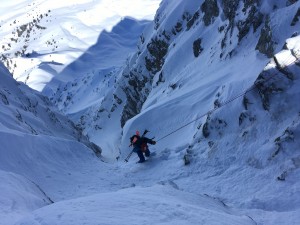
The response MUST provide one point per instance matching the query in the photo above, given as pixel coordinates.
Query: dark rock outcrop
(211, 10)
(266, 44)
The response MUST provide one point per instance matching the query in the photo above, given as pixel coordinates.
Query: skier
(140, 146)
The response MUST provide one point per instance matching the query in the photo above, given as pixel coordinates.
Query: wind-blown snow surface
(244, 156)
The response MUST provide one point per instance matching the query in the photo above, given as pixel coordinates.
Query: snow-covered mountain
(37, 142)
(50, 174)
(51, 45)
(215, 81)
(40, 38)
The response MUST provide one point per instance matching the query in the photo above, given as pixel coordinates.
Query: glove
(153, 142)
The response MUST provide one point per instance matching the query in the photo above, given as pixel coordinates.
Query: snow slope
(33, 134)
(45, 47)
(49, 177)
(235, 158)
(40, 38)
(245, 153)
(156, 205)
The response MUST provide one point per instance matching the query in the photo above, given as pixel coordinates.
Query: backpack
(144, 146)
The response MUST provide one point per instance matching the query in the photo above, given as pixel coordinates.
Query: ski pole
(127, 158)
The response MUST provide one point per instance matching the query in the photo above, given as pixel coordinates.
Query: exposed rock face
(197, 47)
(157, 48)
(192, 20)
(241, 15)
(296, 18)
(265, 43)
(239, 19)
(278, 77)
(139, 76)
(22, 36)
(211, 10)
(134, 96)
(254, 18)
(231, 22)
(229, 10)
(215, 126)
